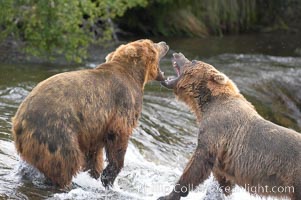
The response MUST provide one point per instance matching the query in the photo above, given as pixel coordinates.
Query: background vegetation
(218, 17)
(50, 27)
(47, 28)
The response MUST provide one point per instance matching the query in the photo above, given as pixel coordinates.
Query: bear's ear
(109, 56)
(220, 78)
(131, 51)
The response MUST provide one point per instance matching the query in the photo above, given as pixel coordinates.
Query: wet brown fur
(234, 141)
(65, 122)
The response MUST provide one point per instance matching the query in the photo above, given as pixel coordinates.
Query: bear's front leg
(94, 162)
(225, 185)
(115, 146)
(197, 170)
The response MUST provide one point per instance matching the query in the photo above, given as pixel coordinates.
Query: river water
(266, 69)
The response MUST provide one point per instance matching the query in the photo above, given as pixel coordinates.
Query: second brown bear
(234, 141)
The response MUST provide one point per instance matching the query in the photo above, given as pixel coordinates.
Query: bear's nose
(162, 43)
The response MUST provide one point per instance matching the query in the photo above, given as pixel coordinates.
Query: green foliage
(230, 16)
(202, 17)
(51, 27)
(48, 28)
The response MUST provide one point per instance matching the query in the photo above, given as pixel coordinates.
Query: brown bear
(234, 141)
(65, 122)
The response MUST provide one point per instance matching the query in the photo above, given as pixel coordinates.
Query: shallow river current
(166, 136)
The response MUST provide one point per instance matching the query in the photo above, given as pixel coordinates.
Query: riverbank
(274, 44)
(212, 17)
(11, 52)
(68, 29)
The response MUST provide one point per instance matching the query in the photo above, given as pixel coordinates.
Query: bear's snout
(163, 49)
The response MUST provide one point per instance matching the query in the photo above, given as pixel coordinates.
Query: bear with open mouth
(67, 120)
(234, 142)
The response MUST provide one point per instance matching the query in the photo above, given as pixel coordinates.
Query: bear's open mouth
(178, 63)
